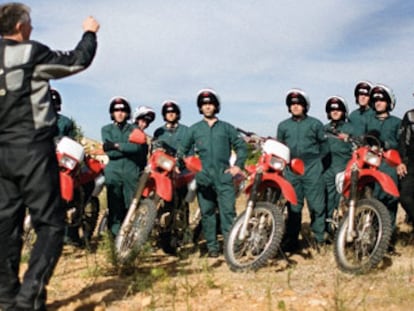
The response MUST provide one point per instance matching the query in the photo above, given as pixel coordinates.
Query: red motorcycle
(81, 181)
(363, 235)
(158, 202)
(256, 234)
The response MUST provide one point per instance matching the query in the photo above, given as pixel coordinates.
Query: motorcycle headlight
(277, 164)
(68, 162)
(372, 159)
(165, 163)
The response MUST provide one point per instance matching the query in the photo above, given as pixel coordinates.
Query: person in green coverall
(305, 137)
(172, 132)
(214, 140)
(143, 117)
(126, 161)
(360, 116)
(65, 127)
(339, 151)
(386, 127)
(64, 124)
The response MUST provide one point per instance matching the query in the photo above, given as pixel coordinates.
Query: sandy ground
(309, 280)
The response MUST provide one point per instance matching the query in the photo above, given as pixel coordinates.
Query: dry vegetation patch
(310, 280)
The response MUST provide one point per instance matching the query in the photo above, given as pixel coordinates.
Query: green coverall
(65, 126)
(172, 136)
(388, 130)
(214, 187)
(306, 140)
(339, 153)
(122, 171)
(359, 120)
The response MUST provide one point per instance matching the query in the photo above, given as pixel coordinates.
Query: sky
(250, 52)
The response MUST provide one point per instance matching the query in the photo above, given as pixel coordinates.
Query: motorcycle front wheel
(129, 242)
(372, 234)
(264, 233)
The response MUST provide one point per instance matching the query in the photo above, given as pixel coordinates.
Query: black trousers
(29, 179)
(407, 191)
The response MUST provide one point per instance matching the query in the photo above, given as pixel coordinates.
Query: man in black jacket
(29, 174)
(406, 169)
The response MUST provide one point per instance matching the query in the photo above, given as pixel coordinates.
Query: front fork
(251, 202)
(353, 197)
(142, 182)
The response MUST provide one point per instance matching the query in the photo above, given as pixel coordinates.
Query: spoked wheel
(177, 232)
(129, 243)
(264, 233)
(103, 224)
(372, 234)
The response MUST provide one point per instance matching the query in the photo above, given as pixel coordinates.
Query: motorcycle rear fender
(279, 182)
(162, 184)
(183, 179)
(367, 176)
(94, 165)
(93, 169)
(67, 186)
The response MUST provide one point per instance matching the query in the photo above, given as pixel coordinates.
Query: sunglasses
(120, 109)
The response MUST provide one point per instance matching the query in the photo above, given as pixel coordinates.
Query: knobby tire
(258, 247)
(128, 246)
(373, 234)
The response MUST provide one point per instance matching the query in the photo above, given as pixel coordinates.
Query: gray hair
(11, 14)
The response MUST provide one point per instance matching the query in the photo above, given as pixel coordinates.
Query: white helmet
(381, 91)
(362, 88)
(296, 95)
(336, 103)
(144, 112)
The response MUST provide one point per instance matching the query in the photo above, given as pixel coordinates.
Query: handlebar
(160, 144)
(358, 141)
(253, 136)
(245, 132)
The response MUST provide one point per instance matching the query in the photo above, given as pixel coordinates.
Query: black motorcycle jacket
(406, 143)
(26, 113)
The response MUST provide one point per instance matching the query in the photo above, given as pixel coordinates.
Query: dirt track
(307, 281)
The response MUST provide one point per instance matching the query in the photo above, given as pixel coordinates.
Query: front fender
(279, 182)
(367, 176)
(67, 186)
(162, 184)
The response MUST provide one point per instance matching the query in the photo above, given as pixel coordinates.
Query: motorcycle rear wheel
(177, 233)
(28, 237)
(142, 222)
(265, 230)
(103, 224)
(90, 218)
(373, 234)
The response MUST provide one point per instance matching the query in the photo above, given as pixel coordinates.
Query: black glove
(109, 145)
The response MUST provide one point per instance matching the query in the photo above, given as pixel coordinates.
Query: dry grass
(307, 281)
